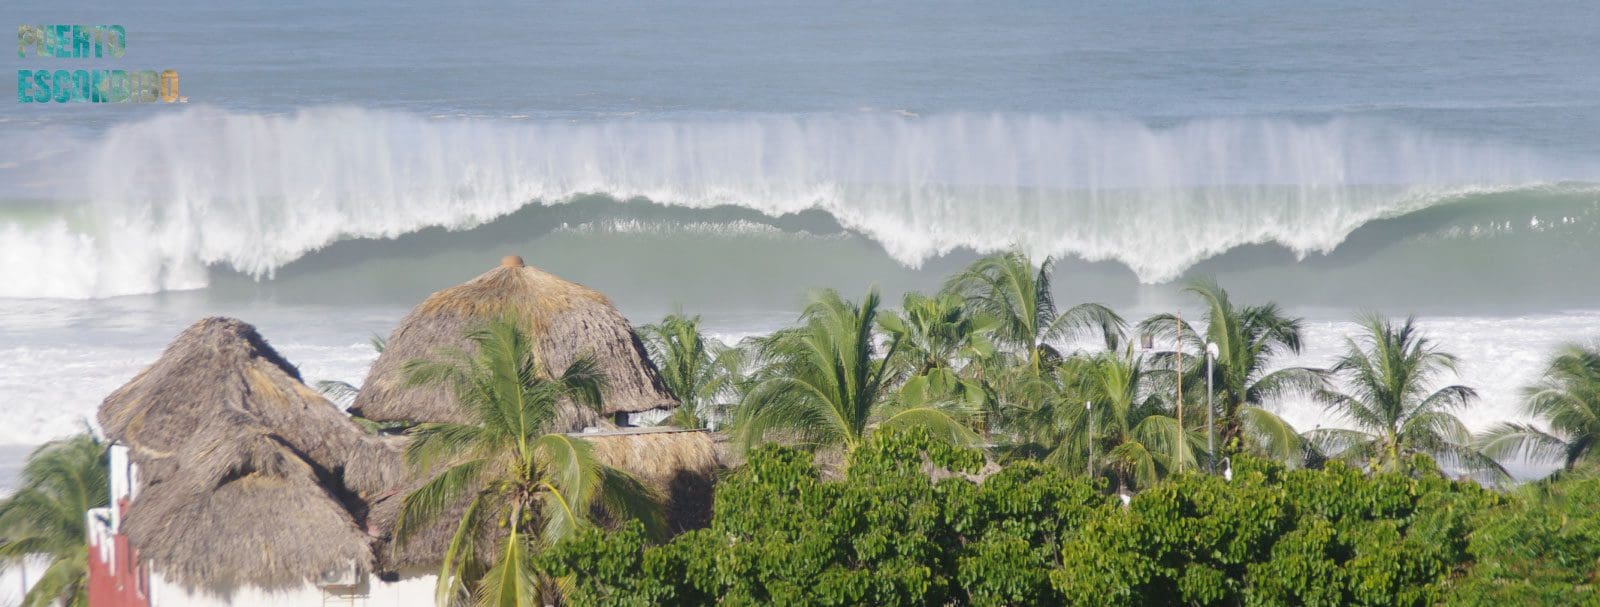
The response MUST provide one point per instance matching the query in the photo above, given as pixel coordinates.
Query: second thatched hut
(566, 320)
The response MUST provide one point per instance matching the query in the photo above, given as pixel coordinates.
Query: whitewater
(155, 204)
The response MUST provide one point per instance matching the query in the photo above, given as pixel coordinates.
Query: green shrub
(1030, 534)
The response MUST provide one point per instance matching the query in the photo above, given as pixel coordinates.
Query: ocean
(336, 162)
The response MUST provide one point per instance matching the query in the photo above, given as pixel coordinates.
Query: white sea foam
(735, 229)
(162, 199)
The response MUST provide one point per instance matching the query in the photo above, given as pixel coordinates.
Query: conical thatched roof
(245, 511)
(567, 321)
(220, 373)
(247, 476)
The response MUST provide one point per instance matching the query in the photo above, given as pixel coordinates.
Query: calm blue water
(338, 161)
(1520, 73)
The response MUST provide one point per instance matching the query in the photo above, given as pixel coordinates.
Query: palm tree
(1008, 288)
(1388, 377)
(824, 384)
(1567, 398)
(1248, 339)
(695, 369)
(937, 332)
(517, 478)
(61, 481)
(1129, 424)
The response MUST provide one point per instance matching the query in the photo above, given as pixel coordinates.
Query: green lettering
(62, 41)
(80, 86)
(63, 86)
(41, 87)
(80, 41)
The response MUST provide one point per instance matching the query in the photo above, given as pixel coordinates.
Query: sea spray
(149, 205)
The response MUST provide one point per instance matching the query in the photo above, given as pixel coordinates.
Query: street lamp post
(1211, 427)
(1177, 452)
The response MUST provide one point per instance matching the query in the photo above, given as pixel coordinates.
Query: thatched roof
(426, 548)
(220, 373)
(567, 321)
(678, 464)
(245, 511)
(247, 476)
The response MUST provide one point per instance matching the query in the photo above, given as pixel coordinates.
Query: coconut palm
(1248, 340)
(520, 482)
(1389, 397)
(937, 332)
(824, 384)
(1567, 399)
(695, 369)
(1009, 289)
(1129, 423)
(60, 482)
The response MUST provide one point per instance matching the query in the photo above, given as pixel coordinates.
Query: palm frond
(625, 495)
(1270, 435)
(1508, 440)
(427, 503)
(511, 582)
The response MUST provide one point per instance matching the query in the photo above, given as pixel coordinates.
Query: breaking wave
(152, 205)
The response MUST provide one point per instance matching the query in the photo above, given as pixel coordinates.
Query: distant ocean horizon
(335, 164)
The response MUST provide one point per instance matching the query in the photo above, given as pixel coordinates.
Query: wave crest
(152, 204)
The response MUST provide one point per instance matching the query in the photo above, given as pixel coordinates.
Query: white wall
(11, 580)
(406, 592)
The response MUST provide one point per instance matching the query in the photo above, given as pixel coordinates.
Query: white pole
(1211, 427)
(1177, 453)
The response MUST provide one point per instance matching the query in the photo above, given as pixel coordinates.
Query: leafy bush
(1030, 534)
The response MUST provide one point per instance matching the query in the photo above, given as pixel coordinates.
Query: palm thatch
(679, 465)
(247, 477)
(245, 511)
(567, 320)
(425, 549)
(219, 374)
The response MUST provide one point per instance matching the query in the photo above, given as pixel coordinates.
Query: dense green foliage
(1084, 417)
(1032, 534)
(825, 384)
(1248, 340)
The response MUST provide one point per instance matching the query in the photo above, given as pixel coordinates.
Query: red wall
(120, 582)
